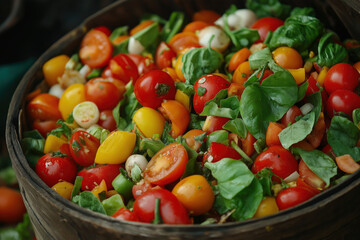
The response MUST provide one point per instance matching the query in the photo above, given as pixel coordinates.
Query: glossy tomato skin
(83, 148)
(144, 64)
(212, 85)
(44, 127)
(290, 115)
(125, 214)
(12, 208)
(266, 24)
(277, 159)
(164, 56)
(218, 151)
(171, 210)
(214, 123)
(53, 168)
(292, 196)
(310, 177)
(167, 165)
(107, 120)
(342, 101)
(103, 93)
(152, 88)
(96, 49)
(123, 68)
(104, 29)
(92, 177)
(341, 76)
(44, 107)
(313, 87)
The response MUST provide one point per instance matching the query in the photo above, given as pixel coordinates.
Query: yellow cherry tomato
(149, 121)
(267, 207)
(288, 58)
(71, 97)
(53, 143)
(116, 148)
(195, 193)
(54, 68)
(64, 189)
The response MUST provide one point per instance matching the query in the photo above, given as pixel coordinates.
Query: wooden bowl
(333, 214)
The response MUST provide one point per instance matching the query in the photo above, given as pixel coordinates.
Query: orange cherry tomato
(347, 164)
(272, 133)
(120, 39)
(12, 208)
(167, 165)
(183, 41)
(195, 193)
(248, 144)
(288, 58)
(44, 107)
(96, 49)
(205, 15)
(236, 89)
(242, 73)
(190, 138)
(177, 114)
(195, 26)
(178, 66)
(141, 26)
(239, 57)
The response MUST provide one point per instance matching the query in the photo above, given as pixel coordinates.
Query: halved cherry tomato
(266, 24)
(279, 160)
(272, 133)
(183, 41)
(103, 93)
(218, 151)
(141, 187)
(208, 16)
(12, 208)
(239, 57)
(293, 196)
(213, 123)
(92, 177)
(96, 49)
(313, 86)
(290, 115)
(248, 144)
(107, 120)
(55, 167)
(164, 56)
(195, 26)
(154, 87)
(123, 68)
(125, 214)
(177, 114)
(318, 132)
(190, 138)
(167, 165)
(342, 101)
(301, 183)
(171, 210)
(83, 148)
(310, 177)
(195, 193)
(44, 107)
(341, 76)
(141, 26)
(206, 88)
(347, 164)
(288, 58)
(144, 64)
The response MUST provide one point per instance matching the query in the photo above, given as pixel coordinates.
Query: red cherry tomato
(12, 208)
(140, 188)
(104, 29)
(92, 177)
(266, 24)
(164, 56)
(44, 107)
(301, 183)
(96, 49)
(290, 115)
(103, 93)
(171, 210)
(293, 196)
(167, 165)
(154, 87)
(209, 85)
(44, 127)
(313, 87)
(341, 76)
(123, 68)
(83, 148)
(125, 214)
(342, 101)
(144, 64)
(277, 159)
(218, 151)
(213, 123)
(310, 177)
(107, 120)
(54, 167)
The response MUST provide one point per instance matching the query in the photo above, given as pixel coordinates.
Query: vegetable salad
(210, 120)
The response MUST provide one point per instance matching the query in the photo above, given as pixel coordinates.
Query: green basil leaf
(307, 11)
(264, 176)
(89, 201)
(229, 108)
(330, 53)
(298, 32)
(266, 8)
(33, 146)
(112, 204)
(121, 47)
(148, 37)
(232, 176)
(302, 90)
(190, 168)
(241, 38)
(268, 102)
(117, 32)
(320, 163)
(236, 126)
(135, 173)
(260, 145)
(244, 204)
(260, 58)
(220, 136)
(63, 129)
(188, 89)
(196, 122)
(77, 186)
(200, 61)
(343, 136)
(151, 146)
(172, 26)
(153, 17)
(356, 117)
(297, 131)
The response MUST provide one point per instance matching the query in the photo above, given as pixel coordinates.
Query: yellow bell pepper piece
(116, 148)
(53, 143)
(99, 189)
(64, 189)
(298, 74)
(321, 77)
(183, 98)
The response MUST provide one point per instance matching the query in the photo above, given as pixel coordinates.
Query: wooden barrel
(333, 214)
